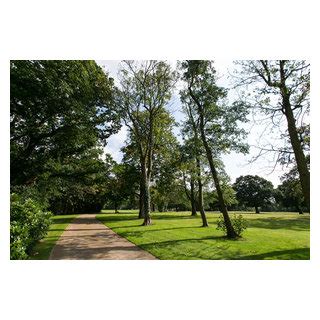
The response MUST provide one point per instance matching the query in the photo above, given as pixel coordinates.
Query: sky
(235, 164)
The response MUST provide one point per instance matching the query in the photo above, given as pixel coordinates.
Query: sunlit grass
(276, 235)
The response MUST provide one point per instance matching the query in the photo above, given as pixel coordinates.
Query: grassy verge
(42, 249)
(174, 235)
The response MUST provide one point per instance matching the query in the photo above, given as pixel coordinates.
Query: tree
(58, 108)
(191, 134)
(253, 191)
(187, 169)
(192, 171)
(217, 121)
(144, 91)
(282, 88)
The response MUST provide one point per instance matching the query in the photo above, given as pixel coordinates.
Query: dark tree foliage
(58, 109)
(289, 193)
(253, 191)
(61, 112)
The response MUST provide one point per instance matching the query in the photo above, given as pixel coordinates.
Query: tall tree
(145, 89)
(217, 121)
(282, 88)
(192, 164)
(192, 130)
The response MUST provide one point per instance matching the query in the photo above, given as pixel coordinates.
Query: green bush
(29, 222)
(238, 222)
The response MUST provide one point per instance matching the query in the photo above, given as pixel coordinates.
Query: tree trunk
(257, 209)
(299, 209)
(190, 196)
(192, 199)
(301, 161)
(231, 234)
(146, 196)
(116, 207)
(200, 195)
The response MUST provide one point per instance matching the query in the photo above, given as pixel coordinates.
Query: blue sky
(235, 164)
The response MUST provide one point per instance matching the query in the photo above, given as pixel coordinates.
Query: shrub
(29, 222)
(238, 222)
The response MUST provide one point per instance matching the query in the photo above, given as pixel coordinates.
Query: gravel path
(86, 238)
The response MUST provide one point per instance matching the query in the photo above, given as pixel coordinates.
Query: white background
(158, 289)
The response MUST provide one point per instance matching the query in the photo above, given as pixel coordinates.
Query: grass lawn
(43, 248)
(275, 235)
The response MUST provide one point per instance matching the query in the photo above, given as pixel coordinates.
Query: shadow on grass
(298, 224)
(292, 254)
(147, 229)
(221, 251)
(218, 249)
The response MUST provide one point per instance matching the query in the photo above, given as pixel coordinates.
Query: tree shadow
(219, 244)
(292, 254)
(297, 224)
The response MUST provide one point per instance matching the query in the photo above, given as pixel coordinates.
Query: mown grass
(42, 249)
(174, 236)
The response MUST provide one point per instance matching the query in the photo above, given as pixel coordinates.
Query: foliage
(289, 192)
(238, 222)
(221, 118)
(253, 191)
(29, 223)
(58, 108)
(229, 196)
(119, 185)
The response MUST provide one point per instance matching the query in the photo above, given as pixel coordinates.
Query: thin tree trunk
(200, 195)
(230, 230)
(257, 209)
(191, 195)
(116, 207)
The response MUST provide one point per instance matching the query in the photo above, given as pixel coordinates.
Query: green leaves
(253, 190)
(58, 108)
(28, 224)
(238, 222)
